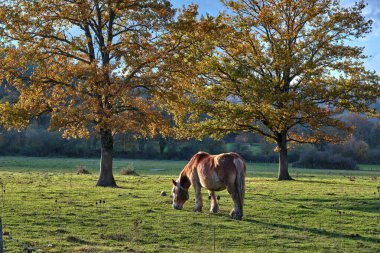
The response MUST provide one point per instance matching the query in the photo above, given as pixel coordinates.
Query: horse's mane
(194, 161)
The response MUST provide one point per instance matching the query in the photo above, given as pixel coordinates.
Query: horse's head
(180, 193)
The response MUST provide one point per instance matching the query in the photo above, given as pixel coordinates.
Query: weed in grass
(378, 192)
(1, 236)
(213, 233)
(27, 248)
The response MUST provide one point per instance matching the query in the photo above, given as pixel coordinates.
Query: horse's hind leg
(214, 202)
(237, 212)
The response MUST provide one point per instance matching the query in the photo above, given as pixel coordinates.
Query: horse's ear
(185, 182)
(174, 182)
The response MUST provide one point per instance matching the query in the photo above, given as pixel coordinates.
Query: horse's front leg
(198, 197)
(214, 202)
(237, 212)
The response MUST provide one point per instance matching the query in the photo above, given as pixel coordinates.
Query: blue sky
(371, 42)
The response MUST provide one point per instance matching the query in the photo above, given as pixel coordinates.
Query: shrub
(81, 170)
(314, 159)
(128, 171)
(357, 149)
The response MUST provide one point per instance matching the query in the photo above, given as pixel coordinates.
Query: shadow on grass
(316, 231)
(322, 182)
(73, 239)
(368, 205)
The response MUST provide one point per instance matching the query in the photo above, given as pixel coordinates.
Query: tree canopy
(95, 65)
(280, 68)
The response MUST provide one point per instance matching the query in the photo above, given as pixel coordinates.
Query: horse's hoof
(197, 209)
(214, 209)
(236, 215)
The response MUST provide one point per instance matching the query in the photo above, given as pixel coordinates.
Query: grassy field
(46, 207)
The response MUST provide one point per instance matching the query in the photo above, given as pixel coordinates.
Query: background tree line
(362, 147)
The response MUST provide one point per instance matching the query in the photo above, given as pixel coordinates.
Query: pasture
(46, 207)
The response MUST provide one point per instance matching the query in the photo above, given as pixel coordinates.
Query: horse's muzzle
(176, 206)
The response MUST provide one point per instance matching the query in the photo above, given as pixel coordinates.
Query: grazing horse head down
(215, 173)
(180, 191)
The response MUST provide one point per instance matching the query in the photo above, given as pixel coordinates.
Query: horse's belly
(217, 188)
(212, 182)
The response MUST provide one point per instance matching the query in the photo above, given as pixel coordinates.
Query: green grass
(49, 208)
(157, 167)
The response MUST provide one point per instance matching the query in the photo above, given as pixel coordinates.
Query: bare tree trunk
(1, 237)
(106, 178)
(162, 143)
(141, 145)
(283, 172)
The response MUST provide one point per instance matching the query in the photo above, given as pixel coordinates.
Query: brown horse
(215, 173)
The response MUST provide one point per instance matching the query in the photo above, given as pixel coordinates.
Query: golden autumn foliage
(93, 62)
(11, 117)
(93, 65)
(280, 68)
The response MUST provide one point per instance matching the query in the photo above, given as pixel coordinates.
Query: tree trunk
(162, 143)
(283, 173)
(106, 178)
(141, 145)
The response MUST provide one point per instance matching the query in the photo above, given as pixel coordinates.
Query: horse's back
(230, 166)
(217, 171)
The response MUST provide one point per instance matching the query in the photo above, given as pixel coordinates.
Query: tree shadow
(368, 205)
(323, 182)
(122, 187)
(315, 231)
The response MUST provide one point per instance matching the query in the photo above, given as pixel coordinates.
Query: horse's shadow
(314, 231)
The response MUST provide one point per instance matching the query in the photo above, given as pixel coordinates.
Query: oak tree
(281, 68)
(94, 64)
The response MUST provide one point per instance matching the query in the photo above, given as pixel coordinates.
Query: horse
(215, 173)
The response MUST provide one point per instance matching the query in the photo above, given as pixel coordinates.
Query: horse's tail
(240, 178)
